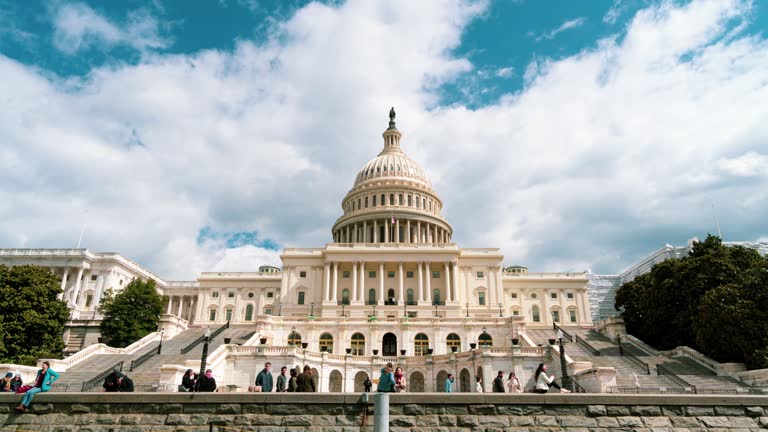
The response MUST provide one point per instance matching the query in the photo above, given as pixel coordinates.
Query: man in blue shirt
(449, 384)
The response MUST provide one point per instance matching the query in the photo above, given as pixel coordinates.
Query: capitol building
(391, 286)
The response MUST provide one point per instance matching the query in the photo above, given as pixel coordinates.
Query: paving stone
(521, 421)
(493, 420)
(427, 420)
(467, 421)
(742, 422)
(645, 411)
(714, 422)
(402, 421)
(596, 410)
(228, 409)
(617, 410)
(447, 420)
(685, 422)
(545, 420)
(607, 422)
(297, 420)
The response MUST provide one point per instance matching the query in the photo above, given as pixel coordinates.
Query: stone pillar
(365, 232)
(447, 278)
(491, 288)
(381, 285)
(428, 294)
(354, 282)
(500, 285)
(386, 230)
(76, 292)
(400, 283)
(168, 305)
(408, 231)
(181, 306)
(361, 286)
(346, 235)
(64, 280)
(375, 232)
(421, 284)
(397, 230)
(335, 290)
(327, 282)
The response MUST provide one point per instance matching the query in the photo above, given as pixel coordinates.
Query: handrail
(576, 387)
(587, 346)
(143, 358)
(197, 341)
(565, 333)
(88, 385)
(637, 362)
(668, 374)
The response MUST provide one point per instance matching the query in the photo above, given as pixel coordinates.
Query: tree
(711, 300)
(130, 314)
(33, 319)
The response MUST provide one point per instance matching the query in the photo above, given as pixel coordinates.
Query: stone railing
(335, 412)
(63, 365)
(642, 346)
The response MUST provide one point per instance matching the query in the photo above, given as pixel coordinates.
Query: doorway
(389, 345)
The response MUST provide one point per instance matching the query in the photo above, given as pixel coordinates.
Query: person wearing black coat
(116, 381)
(206, 383)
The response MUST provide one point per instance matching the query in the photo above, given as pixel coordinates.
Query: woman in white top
(513, 384)
(543, 382)
(478, 386)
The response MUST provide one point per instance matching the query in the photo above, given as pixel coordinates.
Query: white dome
(392, 163)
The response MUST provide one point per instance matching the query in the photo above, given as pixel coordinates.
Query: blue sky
(206, 135)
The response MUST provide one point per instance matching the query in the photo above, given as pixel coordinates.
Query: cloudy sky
(208, 135)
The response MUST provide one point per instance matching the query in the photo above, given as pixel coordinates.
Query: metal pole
(381, 412)
(564, 367)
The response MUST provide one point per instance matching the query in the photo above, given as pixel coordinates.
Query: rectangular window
(268, 311)
(231, 294)
(413, 314)
(270, 294)
(409, 275)
(481, 298)
(480, 275)
(88, 300)
(515, 313)
(570, 295)
(553, 295)
(435, 275)
(514, 295)
(391, 275)
(215, 294)
(400, 199)
(345, 275)
(536, 315)
(374, 201)
(372, 274)
(94, 277)
(229, 314)
(556, 316)
(572, 314)
(212, 315)
(301, 297)
(302, 274)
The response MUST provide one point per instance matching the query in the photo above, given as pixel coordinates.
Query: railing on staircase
(669, 375)
(643, 366)
(94, 382)
(584, 344)
(197, 341)
(144, 357)
(565, 333)
(575, 387)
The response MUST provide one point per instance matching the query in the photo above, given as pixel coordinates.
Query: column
(354, 282)
(375, 232)
(361, 287)
(327, 282)
(346, 236)
(73, 300)
(455, 285)
(421, 283)
(418, 231)
(428, 288)
(408, 231)
(365, 232)
(447, 282)
(400, 283)
(500, 285)
(354, 233)
(335, 281)
(181, 306)
(381, 283)
(64, 279)
(397, 230)
(491, 288)
(387, 223)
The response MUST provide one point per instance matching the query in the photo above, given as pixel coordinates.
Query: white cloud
(747, 165)
(77, 27)
(570, 24)
(613, 13)
(604, 156)
(505, 72)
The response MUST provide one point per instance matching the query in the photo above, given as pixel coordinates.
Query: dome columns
(406, 230)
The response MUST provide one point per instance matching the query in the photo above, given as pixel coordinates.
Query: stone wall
(94, 412)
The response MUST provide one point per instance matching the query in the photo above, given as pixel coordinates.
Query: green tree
(130, 314)
(33, 319)
(710, 300)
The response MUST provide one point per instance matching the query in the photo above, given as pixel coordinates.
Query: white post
(400, 284)
(381, 283)
(354, 282)
(381, 412)
(73, 300)
(428, 296)
(447, 278)
(335, 281)
(327, 282)
(421, 285)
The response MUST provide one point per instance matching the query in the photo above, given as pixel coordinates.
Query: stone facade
(408, 412)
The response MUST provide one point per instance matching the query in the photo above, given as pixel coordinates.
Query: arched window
(391, 199)
(228, 314)
(453, 340)
(410, 204)
(383, 199)
(345, 296)
(572, 315)
(249, 312)
(436, 297)
(485, 339)
(409, 295)
(371, 296)
(358, 204)
(326, 342)
(374, 200)
(555, 315)
(366, 202)
(424, 203)
(390, 294)
(358, 344)
(294, 339)
(535, 314)
(417, 201)
(400, 199)
(421, 345)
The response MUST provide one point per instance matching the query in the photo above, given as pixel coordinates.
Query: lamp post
(279, 309)
(405, 309)
(435, 310)
(204, 356)
(160, 347)
(467, 309)
(485, 340)
(344, 314)
(374, 309)
(312, 310)
(500, 315)
(563, 364)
